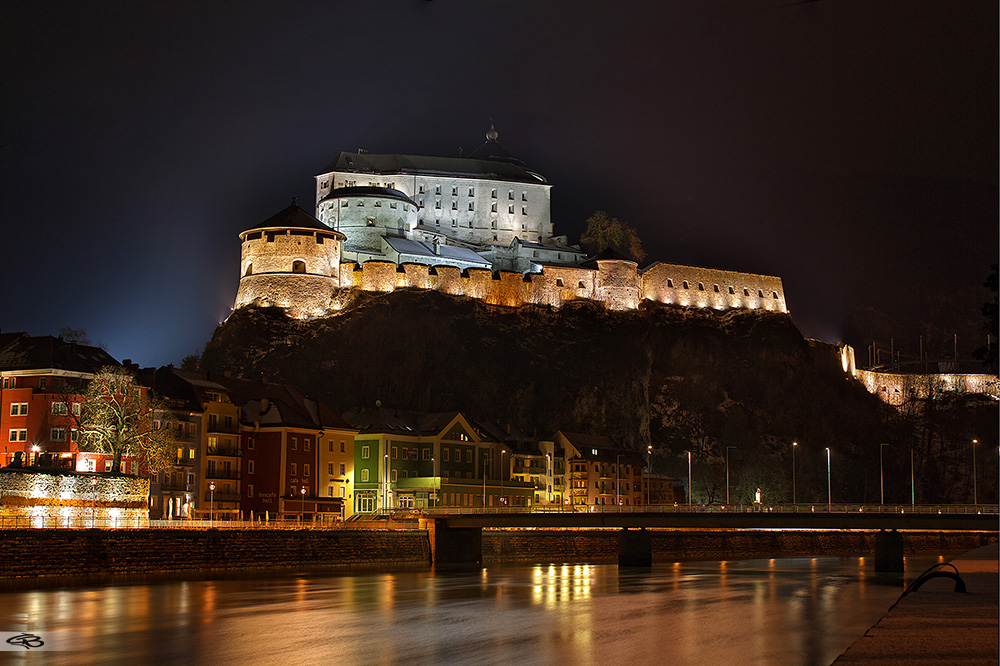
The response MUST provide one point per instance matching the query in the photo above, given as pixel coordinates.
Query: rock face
(680, 378)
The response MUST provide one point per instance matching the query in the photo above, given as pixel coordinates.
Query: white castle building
(477, 226)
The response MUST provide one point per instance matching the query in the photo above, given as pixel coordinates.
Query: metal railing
(903, 509)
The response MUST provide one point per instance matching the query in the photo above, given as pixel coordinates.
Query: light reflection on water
(784, 611)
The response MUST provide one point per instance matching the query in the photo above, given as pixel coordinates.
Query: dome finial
(492, 134)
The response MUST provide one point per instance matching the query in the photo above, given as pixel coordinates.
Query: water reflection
(785, 611)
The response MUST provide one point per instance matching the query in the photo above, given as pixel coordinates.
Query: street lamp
(975, 495)
(548, 478)
(502, 452)
(486, 461)
(385, 481)
(913, 483)
(302, 516)
(829, 491)
(689, 477)
(727, 473)
(795, 445)
(618, 486)
(211, 504)
(881, 477)
(649, 471)
(93, 501)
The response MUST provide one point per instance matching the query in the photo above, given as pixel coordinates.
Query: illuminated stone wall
(69, 499)
(692, 286)
(616, 283)
(896, 389)
(364, 219)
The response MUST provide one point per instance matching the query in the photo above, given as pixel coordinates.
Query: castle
(477, 226)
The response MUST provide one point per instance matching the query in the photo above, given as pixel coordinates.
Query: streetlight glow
(829, 490)
(794, 446)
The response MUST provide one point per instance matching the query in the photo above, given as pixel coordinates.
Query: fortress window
(580, 284)
(774, 295)
(249, 270)
(760, 293)
(437, 205)
(493, 208)
(559, 282)
(670, 283)
(524, 210)
(361, 203)
(421, 190)
(524, 196)
(454, 191)
(716, 289)
(454, 223)
(437, 190)
(370, 221)
(534, 253)
(470, 224)
(523, 227)
(472, 206)
(494, 236)
(701, 287)
(746, 292)
(731, 290)
(454, 205)
(510, 195)
(270, 237)
(298, 266)
(510, 209)
(472, 191)
(493, 194)
(685, 284)
(378, 204)
(345, 203)
(437, 223)
(493, 224)
(392, 204)
(324, 183)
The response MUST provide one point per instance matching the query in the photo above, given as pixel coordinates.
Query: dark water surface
(774, 612)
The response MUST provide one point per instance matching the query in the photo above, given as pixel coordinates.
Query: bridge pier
(889, 552)
(454, 545)
(635, 548)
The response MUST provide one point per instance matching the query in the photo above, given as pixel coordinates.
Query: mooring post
(635, 548)
(889, 552)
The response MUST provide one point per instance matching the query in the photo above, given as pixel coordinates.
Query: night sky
(849, 147)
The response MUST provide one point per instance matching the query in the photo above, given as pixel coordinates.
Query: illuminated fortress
(476, 226)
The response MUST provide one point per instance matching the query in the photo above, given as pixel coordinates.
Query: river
(790, 611)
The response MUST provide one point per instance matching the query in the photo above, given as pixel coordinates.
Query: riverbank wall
(37, 557)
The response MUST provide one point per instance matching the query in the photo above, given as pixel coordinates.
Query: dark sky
(849, 147)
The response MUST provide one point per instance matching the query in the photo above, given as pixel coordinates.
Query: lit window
(364, 452)
(329, 491)
(364, 476)
(343, 491)
(59, 408)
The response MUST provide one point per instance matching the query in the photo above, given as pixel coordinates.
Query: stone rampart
(38, 498)
(301, 295)
(897, 388)
(615, 283)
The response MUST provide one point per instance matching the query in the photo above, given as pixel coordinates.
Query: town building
(43, 380)
(661, 489)
(412, 460)
(600, 473)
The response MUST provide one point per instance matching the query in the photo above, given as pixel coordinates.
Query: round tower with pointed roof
(291, 260)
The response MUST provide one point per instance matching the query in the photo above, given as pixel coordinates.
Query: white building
(489, 202)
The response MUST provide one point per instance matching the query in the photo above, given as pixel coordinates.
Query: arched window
(249, 270)
(298, 266)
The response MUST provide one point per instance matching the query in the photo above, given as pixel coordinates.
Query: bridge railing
(939, 509)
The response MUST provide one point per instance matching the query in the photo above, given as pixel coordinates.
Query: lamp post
(618, 486)
(486, 461)
(795, 445)
(829, 490)
(502, 452)
(302, 514)
(727, 472)
(881, 476)
(385, 482)
(975, 495)
(649, 471)
(689, 477)
(93, 500)
(211, 504)
(548, 478)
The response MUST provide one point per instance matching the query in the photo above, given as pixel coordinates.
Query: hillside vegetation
(679, 379)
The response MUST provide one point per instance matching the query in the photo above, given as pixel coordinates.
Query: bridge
(456, 534)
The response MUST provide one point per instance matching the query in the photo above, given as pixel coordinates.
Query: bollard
(889, 552)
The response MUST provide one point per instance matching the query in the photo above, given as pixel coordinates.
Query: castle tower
(617, 283)
(290, 260)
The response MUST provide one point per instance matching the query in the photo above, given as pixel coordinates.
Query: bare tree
(604, 231)
(118, 419)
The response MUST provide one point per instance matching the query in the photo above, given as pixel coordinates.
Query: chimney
(436, 244)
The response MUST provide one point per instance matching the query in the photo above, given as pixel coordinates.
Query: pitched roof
(44, 352)
(293, 217)
(279, 404)
(406, 422)
(425, 249)
(467, 167)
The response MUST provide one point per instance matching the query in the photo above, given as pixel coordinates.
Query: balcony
(231, 451)
(183, 461)
(222, 429)
(222, 473)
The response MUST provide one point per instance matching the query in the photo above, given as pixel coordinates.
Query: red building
(42, 382)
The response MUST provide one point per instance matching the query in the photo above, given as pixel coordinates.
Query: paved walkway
(936, 625)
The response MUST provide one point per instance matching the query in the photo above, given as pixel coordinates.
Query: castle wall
(507, 289)
(275, 251)
(378, 276)
(365, 219)
(896, 388)
(415, 275)
(449, 280)
(711, 288)
(618, 284)
(302, 295)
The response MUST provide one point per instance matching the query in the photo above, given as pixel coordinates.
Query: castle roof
(368, 191)
(494, 168)
(425, 249)
(293, 217)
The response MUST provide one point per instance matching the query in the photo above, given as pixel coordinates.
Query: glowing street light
(689, 477)
(303, 515)
(913, 483)
(502, 452)
(649, 470)
(881, 478)
(829, 491)
(795, 445)
(211, 504)
(727, 473)
(548, 478)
